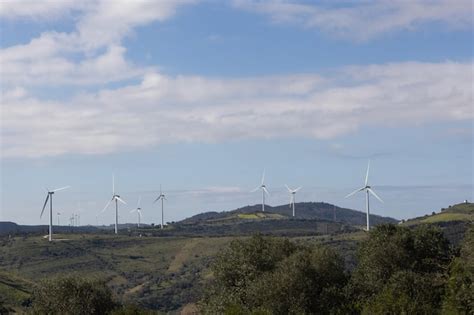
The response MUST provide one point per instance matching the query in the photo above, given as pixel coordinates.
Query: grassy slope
(130, 265)
(157, 272)
(459, 212)
(13, 289)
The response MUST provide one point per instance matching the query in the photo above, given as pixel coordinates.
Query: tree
(310, 281)
(396, 265)
(72, 295)
(460, 289)
(274, 276)
(407, 292)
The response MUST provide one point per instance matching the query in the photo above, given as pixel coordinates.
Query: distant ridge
(304, 210)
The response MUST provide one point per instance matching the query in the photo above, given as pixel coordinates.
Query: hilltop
(311, 218)
(304, 211)
(454, 220)
(458, 212)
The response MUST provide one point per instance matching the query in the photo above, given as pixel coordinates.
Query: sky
(202, 96)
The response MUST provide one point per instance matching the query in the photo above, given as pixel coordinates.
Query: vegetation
(275, 276)
(72, 296)
(459, 212)
(399, 271)
(460, 286)
(319, 268)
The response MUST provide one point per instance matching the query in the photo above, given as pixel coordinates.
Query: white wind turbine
(161, 197)
(368, 190)
(138, 210)
(292, 197)
(264, 190)
(50, 198)
(115, 198)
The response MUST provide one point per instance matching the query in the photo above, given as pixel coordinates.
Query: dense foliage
(72, 296)
(460, 288)
(275, 276)
(399, 271)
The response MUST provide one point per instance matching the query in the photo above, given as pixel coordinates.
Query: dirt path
(183, 255)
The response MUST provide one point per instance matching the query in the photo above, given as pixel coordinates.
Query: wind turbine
(138, 210)
(264, 190)
(292, 197)
(50, 198)
(161, 197)
(115, 198)
(368, 190)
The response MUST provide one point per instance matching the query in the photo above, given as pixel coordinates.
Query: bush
(72, 295)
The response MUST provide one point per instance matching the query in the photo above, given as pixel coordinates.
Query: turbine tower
(50, 198)
(367, 190)
(115, 198)
(292, 197)
(161, 197)
(138, 210)
(264, 190)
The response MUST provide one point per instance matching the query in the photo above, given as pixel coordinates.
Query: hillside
(304, 211)
(458, 212)
(14, 290)
(454, 220)
(7, 228)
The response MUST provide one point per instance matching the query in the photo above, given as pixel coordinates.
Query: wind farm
(236, 157)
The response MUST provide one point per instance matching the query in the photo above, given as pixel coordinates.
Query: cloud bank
(159, 108)
(164, 109)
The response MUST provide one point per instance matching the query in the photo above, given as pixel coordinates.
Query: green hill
(454, 221)
(461, 212)
(304, 210)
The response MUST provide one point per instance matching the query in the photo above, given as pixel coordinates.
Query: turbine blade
(367, 174)
(255, 189)
(266, 191)
(139, 199)
(375, 195)
(113, 184)
(297, 189)
(44, 206)
(120, 199)
(106, 206)
(355, 191)
(289, 190)
(263, 176)
(133, 210)
(158, 198)
(62, 188)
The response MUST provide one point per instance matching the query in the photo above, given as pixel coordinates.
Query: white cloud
(362, 20)
(78, 57)
(163, 109)
(34, 9)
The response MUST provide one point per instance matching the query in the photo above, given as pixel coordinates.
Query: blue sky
(201, 96)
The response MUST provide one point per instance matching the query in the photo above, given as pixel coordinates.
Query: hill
(454, 220)
(304, 210)
(7, 228)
